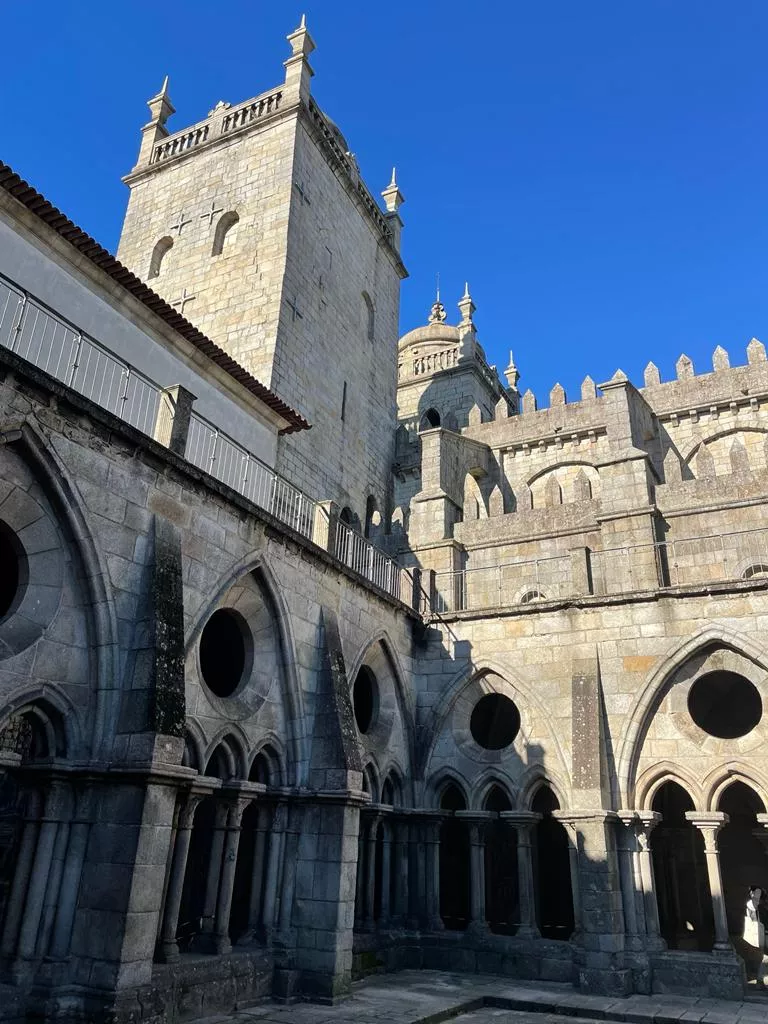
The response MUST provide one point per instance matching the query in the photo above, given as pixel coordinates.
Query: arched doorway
(502, 895)
(680, 872)
(551, 870)
(454, 862)
(743, 860)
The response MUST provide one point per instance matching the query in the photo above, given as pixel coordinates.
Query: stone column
(432, 828)
(372, 826)
(476, 822)
(279, 819)
(573, 860)
(386, 873)
(289, 871)
(168, 950)
(73, 868)
(600, 945)
(53, 888)
(709, 825)
(24, 864)
(38, 882)
(420, 850)
(235, 809)
(401, 871)
(626, 846)
(360, 878)
(221, 814)
(257, 878)
(646, 822)
(523, 822)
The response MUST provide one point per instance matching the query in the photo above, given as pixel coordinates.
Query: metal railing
(359, 554)
(216, 453)
(518, 582)
(33, 331)
(688, 561)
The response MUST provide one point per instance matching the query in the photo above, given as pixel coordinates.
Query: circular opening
(12, 570)
(223, 651)
(725, 705)
(365, 696)
(495, 721)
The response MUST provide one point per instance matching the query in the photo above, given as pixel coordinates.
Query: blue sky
(597, 170)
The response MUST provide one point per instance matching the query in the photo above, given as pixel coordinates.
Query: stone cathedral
(323, 653)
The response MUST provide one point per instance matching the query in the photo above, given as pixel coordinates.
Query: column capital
(187, 815)
(709, 823)
(576, 818)
(476, 817)
(521, 818)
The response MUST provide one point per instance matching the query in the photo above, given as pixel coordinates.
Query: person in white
(754, 930)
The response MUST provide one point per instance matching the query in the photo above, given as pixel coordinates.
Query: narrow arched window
(225, 233)
(430, 420)
(369, 315)
(158, 255)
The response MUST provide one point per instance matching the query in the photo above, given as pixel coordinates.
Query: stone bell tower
(256, 225)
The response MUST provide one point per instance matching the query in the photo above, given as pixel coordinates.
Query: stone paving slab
(431, 997)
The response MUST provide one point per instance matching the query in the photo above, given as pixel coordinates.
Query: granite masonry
(445, 681)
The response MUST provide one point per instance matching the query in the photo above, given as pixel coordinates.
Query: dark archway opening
(246, 874)
(196, 876)
(552, 881)
(430, 420)
(743, 860)
(680, 873)
(502, 894)
(454, 862)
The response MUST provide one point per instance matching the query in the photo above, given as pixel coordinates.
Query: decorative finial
(164, 87)
(393, 183)
(512, 373)
(303, 23)
(437, 314)
(466, 306)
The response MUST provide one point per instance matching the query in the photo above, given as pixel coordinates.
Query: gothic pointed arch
(536, 777)
(380, 654)
(658, 775)
(296, 739)
(658, 680)
(519, 691)
(235, 741)
(46, 464)
(717, 781)
(488, 781)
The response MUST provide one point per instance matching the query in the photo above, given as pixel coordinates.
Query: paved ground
(429, 997)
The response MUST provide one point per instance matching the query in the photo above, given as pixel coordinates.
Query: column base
(527, 931)
(167, 953)
(222, 945)
(436, 924)
(478, 928)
